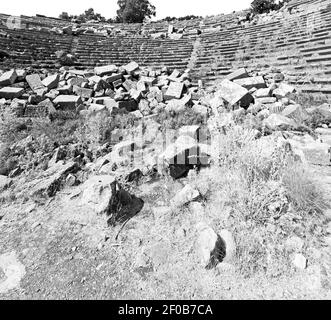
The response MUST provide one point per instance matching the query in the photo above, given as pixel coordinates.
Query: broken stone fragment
(105, 70)
(234, 93)
(67, 101)
(182, 156)
(251, 82)
(210, 246)
(97, 192)
(144, 107)
(283, 91)
(129, 85)
(4, 182)
(299, 261)
(131, 67)
(229, 246)
(238, 74)
(174, 91)
(148, 80)
(51, 82)
(82, 92)
(184, 196)
(49, 182)
(262, 93)
(129, 105)
(266, 100)
(21, 74)
(277, 121)
(295, 112)
(294, 244)
(43, 109)
(76, 81)
(8, 78)
(34, 82)
(11, 92)
(122, 205)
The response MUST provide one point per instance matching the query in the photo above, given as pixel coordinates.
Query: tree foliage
(189, 17)
(134, 11)
(88, 15)
(265, 6)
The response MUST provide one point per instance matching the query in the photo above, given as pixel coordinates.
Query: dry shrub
(302, 192)
(264, 188)
(12, 129)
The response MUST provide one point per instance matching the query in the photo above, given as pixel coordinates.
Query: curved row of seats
(299, 44)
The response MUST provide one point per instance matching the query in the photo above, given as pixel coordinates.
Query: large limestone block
(105, 70)
(67, 101)
(11, 92)
(238, 74)
(51, 82)
(34, 82)
(252, 82)
(174, 91)
(234, 93)
(8, 78)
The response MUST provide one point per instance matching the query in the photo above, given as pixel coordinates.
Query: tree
(64, 16)
(263, 6)
(134, 11)
(88, 15)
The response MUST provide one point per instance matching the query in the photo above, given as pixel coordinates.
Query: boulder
(294, 244)
(283, 91)
(210, 246)
(234, 93)
(184, 196)
(96, 192)
(51, 82)
(128, 105)
(4, 181)
(251, 82)
(279, 122)
(97, 109)
(131, 67)
(262, 93)
(266, 100)
(295, 112)
(299, 261)
(229, 245)
(174, 91)
(123, 205)
(11, 92)
(105, 70)
(48, 183)
(8, 78)
(34, 82)
(238, 74)
(82, 92)
(311, 150)
(67, 101)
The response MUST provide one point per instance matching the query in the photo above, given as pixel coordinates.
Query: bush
(302, 191)
(255, 189)
(135, 11)
(175, 121)
(265, 6)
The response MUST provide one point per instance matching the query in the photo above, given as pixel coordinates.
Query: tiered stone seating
(33, 48)
(92, 51)
(296, 41)
(298, 44)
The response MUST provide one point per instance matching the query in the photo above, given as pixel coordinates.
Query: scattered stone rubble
(145, 93)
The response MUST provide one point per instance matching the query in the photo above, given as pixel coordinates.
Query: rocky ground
(150, 188)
